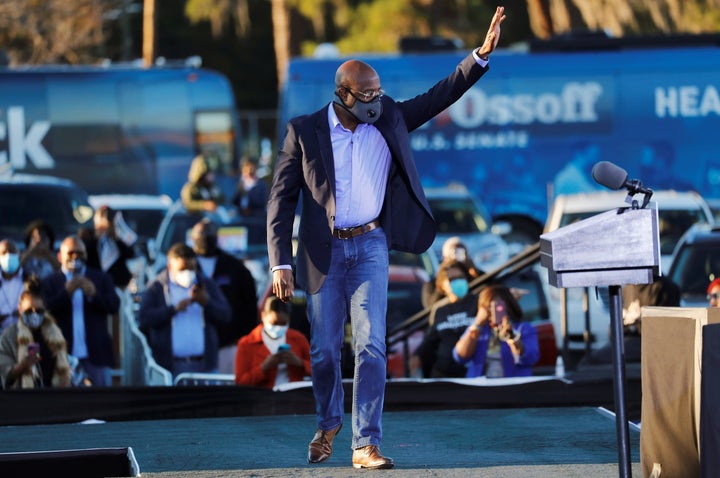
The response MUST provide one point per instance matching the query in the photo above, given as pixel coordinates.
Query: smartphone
(499, 310)
(283, 348)
(33, 348)
(460, 254)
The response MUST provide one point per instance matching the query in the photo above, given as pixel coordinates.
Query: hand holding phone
(283, 348)
(499, 312)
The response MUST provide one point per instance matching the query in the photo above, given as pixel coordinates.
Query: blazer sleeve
(419, 110)
(105, 300)
(154, 311)
(531, 352)
(217, 309)
(283, 198)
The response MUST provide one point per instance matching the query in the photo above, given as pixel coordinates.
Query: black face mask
(363, 112)
(206, 245)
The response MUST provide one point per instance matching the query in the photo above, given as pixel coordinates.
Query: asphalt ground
(517, 442)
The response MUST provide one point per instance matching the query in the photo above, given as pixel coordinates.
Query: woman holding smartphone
(272, 353)
(33, 351)
(498, 343)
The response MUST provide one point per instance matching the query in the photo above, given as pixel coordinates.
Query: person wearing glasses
(361, 195)
(33, 350)
(713, 293)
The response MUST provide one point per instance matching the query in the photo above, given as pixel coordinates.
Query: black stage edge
(89, 463)
(51, 406)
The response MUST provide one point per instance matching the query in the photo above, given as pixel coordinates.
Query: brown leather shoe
(320, 447)
(371, 458)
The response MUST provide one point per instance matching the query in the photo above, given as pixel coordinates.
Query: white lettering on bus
(576, 103)
(687, 101)
(21, 144)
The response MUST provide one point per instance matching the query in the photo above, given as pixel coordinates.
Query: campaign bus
(118, 128)
(536, 123)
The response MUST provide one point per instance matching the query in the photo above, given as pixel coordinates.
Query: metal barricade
(139, 366)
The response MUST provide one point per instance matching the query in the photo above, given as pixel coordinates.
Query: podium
(614, 248)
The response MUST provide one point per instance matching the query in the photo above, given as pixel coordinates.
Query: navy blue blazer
(305, 164)
(96, 310)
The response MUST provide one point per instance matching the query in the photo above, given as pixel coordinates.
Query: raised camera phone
(33, 348)
(499, 312)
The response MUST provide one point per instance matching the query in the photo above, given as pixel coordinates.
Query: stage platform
(517, 442)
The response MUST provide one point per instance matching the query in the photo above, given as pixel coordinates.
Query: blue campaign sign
(536, 123)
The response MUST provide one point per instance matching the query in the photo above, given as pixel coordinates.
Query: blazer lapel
(322, 133)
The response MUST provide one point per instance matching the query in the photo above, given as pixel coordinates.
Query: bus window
(214, 138)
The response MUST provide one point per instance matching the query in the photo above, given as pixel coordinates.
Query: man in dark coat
(237, 285)
(81, 298)
(361, 195)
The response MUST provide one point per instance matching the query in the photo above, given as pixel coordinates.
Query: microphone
(614, 177)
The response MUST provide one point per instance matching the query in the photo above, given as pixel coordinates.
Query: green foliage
(377, 26)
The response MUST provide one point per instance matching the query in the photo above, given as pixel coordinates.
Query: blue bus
(536, 123)
(119, 128)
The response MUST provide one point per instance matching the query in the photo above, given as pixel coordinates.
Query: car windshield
(695, 266)
(61, 208)
(457, 215)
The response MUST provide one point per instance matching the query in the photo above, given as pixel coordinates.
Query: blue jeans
(99, 375)
(356, 284)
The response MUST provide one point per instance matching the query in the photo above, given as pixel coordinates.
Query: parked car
(59, 202)
(458, 213)
(677, 211)
(241, 236)
(696, 263)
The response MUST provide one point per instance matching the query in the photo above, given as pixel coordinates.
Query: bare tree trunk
(148, 40)
(540, 21)
(281, 37)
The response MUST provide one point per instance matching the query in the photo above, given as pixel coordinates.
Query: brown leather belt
(350, 232)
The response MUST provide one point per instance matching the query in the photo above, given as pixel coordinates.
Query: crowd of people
(201, 314)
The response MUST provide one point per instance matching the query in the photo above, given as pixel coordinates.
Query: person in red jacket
(272, 353)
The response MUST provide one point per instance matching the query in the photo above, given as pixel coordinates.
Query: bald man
(80, 298)
(361, 196)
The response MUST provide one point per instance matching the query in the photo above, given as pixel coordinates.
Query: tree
(624, 17)
(54, 31)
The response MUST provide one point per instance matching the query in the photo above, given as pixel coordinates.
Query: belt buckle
(345, 232)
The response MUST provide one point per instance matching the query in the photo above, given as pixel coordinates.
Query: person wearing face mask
(11, 282)
(453, 250)
(361, 195)
(180, 311)
(33, 351)
(447, 321)
(81, 299)
(273, 353)
(498, 343)
(237, 285)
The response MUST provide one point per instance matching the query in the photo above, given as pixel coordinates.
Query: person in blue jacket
(498, 343)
